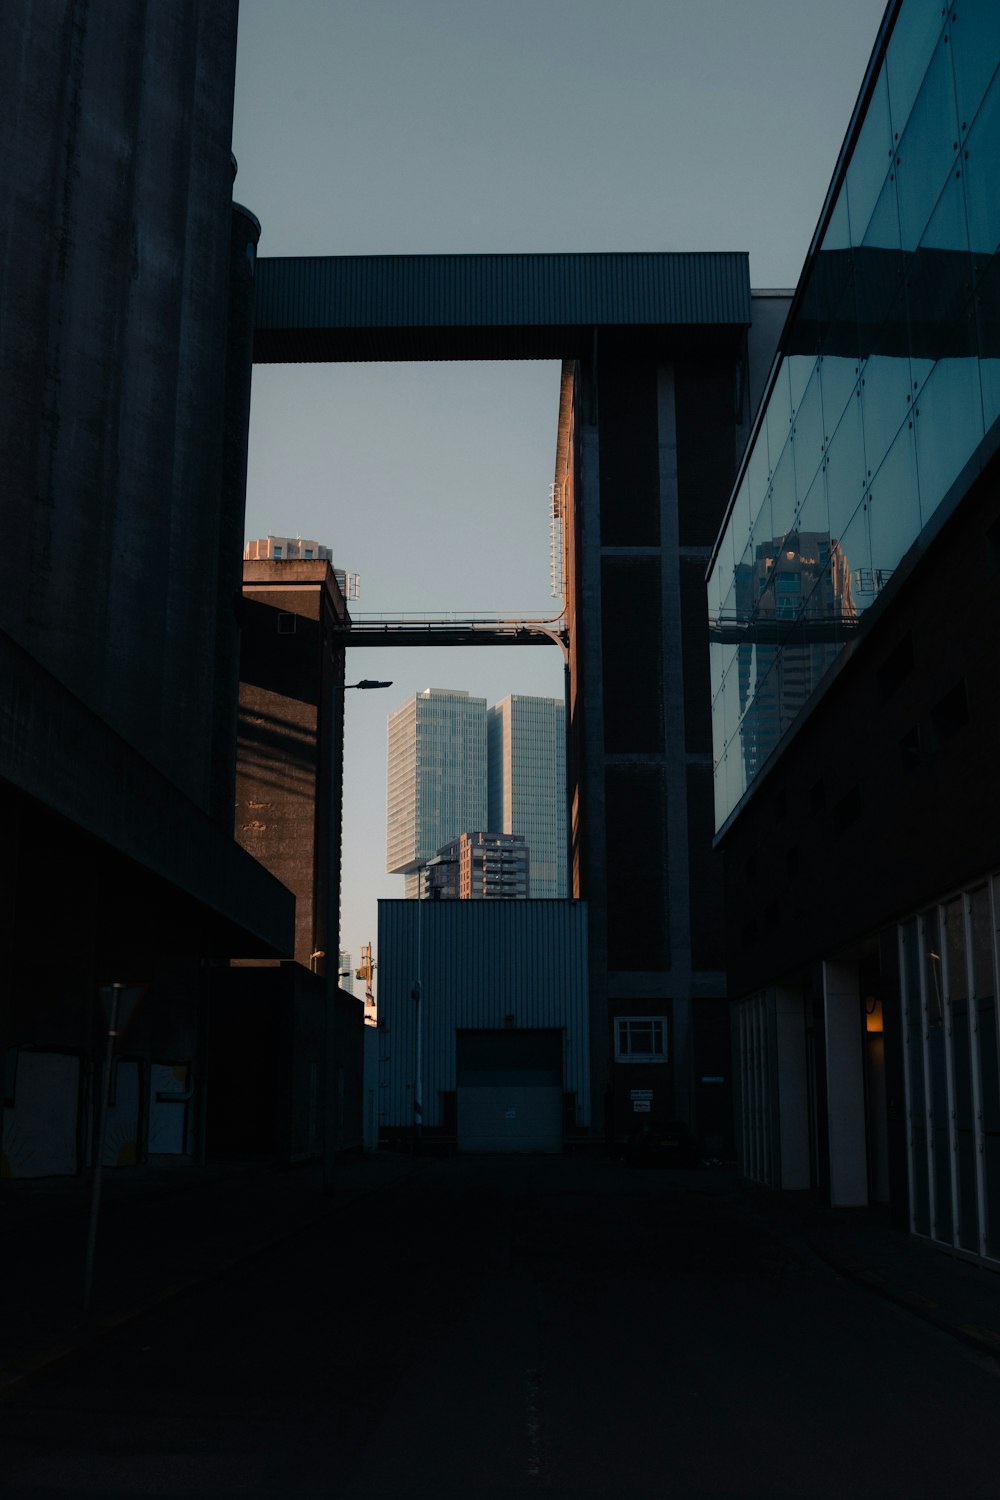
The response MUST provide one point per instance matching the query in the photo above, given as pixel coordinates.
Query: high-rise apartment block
(436, 777)
(526, 752)
(496, 777)
(478, 866)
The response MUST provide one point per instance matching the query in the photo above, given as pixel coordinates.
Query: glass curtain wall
(888, 380)
(948, 958)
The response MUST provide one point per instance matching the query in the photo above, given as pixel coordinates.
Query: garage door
(510, 1090)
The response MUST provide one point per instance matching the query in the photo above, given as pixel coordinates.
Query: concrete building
(301, 549)
(127, 281)
(436, 777)
(303, 1050)
(652, 422)
(862, 854)
(526, 758)
(483, 1018)
(479, 866)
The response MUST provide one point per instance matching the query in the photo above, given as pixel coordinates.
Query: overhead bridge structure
(662, 355)
(379, 630)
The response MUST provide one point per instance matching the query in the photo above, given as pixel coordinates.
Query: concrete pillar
(845, 1084)
(792, 1087)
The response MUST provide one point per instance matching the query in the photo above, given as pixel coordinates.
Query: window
(277, 552)
(641, 1039)
(309, 552)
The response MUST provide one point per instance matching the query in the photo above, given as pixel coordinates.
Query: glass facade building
(886, 388)
(436, 776)
(527, 783)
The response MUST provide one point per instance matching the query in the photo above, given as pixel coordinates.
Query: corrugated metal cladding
(482, 965)
(501, 291)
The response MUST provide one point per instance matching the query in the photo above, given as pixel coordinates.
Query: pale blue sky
(480, 126)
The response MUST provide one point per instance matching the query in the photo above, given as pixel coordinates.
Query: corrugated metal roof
(478, 962)
(533, 298)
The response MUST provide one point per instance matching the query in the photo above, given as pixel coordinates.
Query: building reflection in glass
(797, 593)
(887, 382)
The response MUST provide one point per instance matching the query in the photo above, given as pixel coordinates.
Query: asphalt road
(516, 1326)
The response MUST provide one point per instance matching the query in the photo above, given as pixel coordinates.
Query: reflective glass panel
(893, 508)
(855, 546)
(800, 368)
(731, 704)
(757, 476)
(719, 793)
(927, 149)
(736, 778)
(883, 227)
(715, 590)
(870, 162)
(845, 468)
(948, 423)
(743, 585)
(814, 539)
(807, 434)
(885, 387)
(778, 420)
(762, 542)
(909, 52)
(838, 379)
(783, 493)
(982, 146)
(740, 519)
(975, 44)
(838, 230)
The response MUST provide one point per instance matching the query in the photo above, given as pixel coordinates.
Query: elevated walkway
(450, 630)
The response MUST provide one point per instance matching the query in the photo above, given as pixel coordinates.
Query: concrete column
(590, 668)
(792, 1089)
(845, 1085)
(674, 757)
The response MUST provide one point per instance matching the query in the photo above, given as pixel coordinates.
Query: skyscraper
(436, 777)
(527, 783)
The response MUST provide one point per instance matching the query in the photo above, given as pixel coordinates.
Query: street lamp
(366, 683)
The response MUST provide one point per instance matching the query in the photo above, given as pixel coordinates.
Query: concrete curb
(983, 1340)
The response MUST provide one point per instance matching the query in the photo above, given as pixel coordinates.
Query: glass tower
(527, 784)
(436, 777)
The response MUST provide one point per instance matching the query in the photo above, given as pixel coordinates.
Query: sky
(393, 127)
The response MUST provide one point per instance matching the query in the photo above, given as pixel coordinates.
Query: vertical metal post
(102, 1120)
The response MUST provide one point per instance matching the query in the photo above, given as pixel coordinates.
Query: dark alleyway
(505, 1326)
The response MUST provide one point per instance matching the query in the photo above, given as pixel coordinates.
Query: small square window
(641, 1039)
(277, 553)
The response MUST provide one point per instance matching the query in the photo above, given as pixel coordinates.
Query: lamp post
(366, 684)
